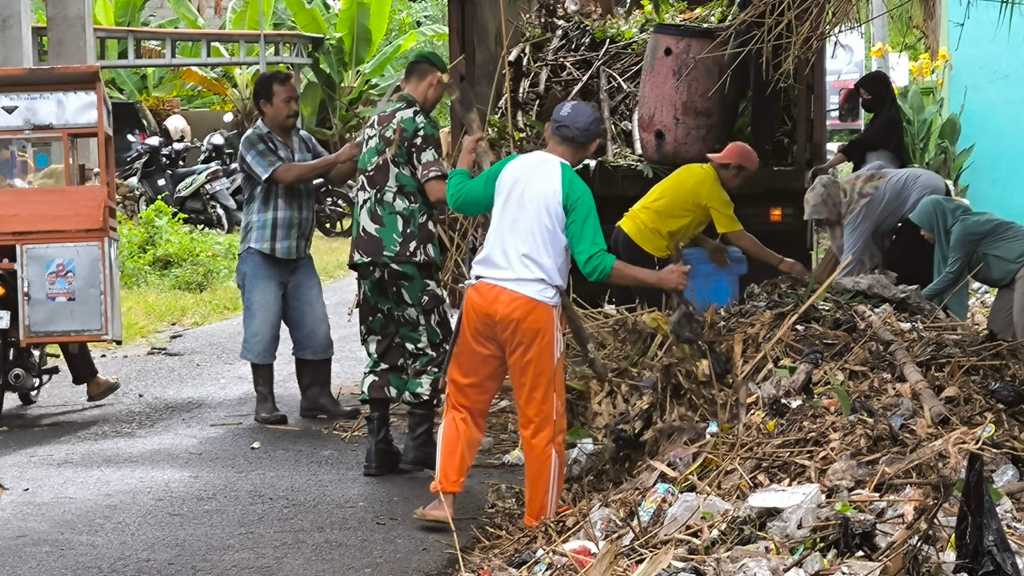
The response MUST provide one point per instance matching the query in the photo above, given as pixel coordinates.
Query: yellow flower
(879, 50)
(943, 56)
(923, 67)
(920, 70)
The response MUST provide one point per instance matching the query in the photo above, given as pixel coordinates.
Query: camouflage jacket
(394, 221)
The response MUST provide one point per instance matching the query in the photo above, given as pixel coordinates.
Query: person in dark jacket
(881, 142)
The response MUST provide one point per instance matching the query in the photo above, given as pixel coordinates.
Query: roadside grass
(151, 309)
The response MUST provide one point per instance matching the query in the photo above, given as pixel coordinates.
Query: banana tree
(148, 83)
(932, 136)
(353, 67)
(236, 89)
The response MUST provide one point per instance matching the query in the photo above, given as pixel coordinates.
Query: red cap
(739, 153)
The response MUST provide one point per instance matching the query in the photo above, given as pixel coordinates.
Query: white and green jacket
(541, 211)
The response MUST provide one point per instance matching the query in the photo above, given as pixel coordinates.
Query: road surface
(160, 478)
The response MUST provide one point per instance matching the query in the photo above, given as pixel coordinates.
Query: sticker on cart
(60, 280)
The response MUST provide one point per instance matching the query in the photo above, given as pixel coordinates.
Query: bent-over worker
(861, 213)
(975, 245)
(541, 213)
(678, 209)
(403, 313)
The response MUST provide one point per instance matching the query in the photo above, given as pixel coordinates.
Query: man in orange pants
(541, 212)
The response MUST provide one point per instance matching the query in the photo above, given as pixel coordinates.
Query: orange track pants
(504, 332)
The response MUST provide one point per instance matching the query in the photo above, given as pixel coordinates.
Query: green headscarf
(937, 215)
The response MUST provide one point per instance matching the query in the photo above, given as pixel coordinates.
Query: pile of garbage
(854, 430)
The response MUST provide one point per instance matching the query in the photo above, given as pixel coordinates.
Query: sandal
(422, 515)
(114, 386)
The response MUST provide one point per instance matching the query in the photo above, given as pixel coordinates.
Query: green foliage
(626, 27)
(38, 12)
(409, 15)
(907, 26)
(933, 134)
(362, 25)
(247, 14)
(187, 14)
(845, 508)
(161, 251)
(354, 68)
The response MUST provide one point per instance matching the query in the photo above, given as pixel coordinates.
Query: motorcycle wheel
(235, 218)
(334, 217)
(221, 222)
(143, 203)
(28, 398)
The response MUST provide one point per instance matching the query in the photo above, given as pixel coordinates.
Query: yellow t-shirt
(678, 208)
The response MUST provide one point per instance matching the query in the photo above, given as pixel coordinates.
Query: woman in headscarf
(861, 213)
(881, 142)
(975, 245)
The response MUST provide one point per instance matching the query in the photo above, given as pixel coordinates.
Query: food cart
(59, 280)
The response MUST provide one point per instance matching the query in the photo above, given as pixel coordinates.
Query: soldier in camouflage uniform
(403, 317)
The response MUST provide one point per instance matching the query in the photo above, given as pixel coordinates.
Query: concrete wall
(15, 33)
(988, 78)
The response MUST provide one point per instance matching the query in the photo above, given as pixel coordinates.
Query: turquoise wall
(988, 78)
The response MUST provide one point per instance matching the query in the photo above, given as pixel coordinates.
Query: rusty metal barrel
(680, 112)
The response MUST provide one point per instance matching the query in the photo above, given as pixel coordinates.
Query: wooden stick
(508, 78)
(637, 145)
(606, 111)
(934, 411)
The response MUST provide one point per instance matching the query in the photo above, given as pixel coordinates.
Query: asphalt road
(160, 478)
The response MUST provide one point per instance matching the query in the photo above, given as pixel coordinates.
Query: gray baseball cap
(577, 122)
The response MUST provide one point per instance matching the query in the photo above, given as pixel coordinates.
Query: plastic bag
(658, 499)
(981, 545)
(690, 509)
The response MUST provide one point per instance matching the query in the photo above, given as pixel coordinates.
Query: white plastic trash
(781, 497)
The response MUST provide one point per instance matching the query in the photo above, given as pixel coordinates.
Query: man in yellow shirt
(677, 210)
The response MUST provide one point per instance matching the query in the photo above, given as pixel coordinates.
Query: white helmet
(178, 128)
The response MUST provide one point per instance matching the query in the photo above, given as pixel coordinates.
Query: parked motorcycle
(200, 192)
(24, 370)
(214, 150)
(334, 209)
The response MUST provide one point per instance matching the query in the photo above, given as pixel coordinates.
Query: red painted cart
(59, 279)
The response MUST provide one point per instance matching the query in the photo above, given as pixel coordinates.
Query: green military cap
(432, 58)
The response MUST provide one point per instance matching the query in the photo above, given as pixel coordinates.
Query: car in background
(130, 118)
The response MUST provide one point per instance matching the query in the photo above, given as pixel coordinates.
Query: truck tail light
(775, 215)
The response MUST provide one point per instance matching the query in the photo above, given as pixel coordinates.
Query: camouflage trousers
(404, 326)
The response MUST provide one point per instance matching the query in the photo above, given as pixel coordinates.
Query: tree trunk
(880, 32)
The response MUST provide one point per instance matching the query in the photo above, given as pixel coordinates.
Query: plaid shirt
(276, 220)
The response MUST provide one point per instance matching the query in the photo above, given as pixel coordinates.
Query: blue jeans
(276, 290)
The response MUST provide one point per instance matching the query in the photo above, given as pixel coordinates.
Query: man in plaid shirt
(276, 274)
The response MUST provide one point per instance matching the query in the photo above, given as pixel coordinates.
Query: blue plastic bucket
(710, 284)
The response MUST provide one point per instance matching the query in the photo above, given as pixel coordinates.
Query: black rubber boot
(314, 378)
(382, 456)
(266, 407)
(420, 449)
